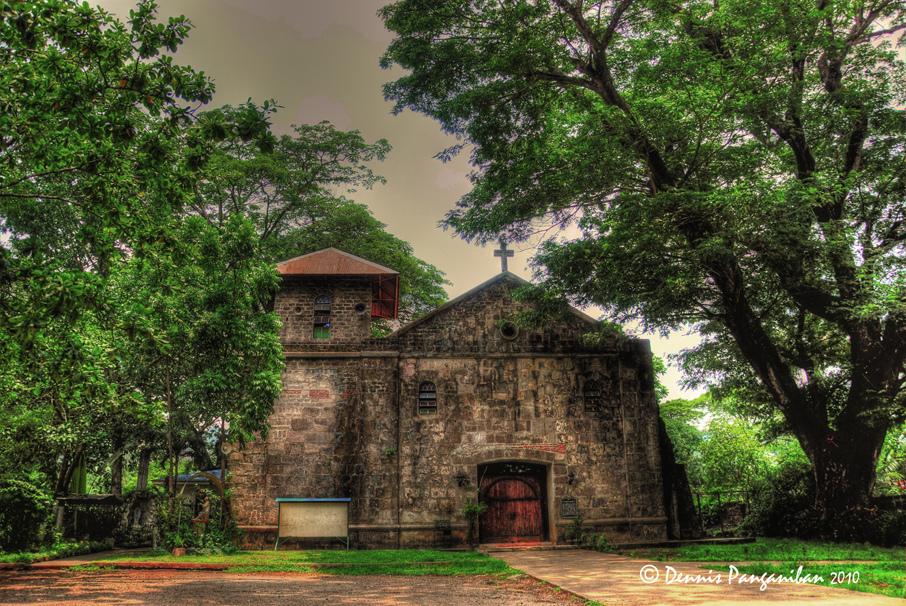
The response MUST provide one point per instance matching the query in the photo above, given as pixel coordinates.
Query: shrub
(25, 512)
(471, 511)
(784, 504)
(179, 529)
(598, 542)
(574, 532)
(888, 528)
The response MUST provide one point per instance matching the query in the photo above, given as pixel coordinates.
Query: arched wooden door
(514, 495)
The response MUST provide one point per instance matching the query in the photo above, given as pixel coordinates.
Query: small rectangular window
(427, 398)
(591, 395)
(321, 319)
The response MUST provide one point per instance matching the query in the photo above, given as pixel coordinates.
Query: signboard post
(312, 518)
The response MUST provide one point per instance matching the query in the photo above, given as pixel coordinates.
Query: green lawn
(886, 578)
(60, 550)
(780, 550)
(884, 574)
(396, 562)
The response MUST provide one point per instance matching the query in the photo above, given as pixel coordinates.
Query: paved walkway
(58, 587)
(615, 579)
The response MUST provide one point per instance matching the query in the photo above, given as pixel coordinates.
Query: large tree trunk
(200, 456)
(116, 472)
(844, 467)
(144, 462)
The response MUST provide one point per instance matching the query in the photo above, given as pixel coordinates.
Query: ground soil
(166, 587)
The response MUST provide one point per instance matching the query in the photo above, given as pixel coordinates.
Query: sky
(319, 60)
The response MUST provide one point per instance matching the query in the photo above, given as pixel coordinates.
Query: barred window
(591, 395)
(427, 398)
(321, 322)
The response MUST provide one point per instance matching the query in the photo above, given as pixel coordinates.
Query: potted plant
(178, 545)
(472, 511)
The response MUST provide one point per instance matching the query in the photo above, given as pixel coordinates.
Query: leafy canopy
(736, 166)
(293, 189)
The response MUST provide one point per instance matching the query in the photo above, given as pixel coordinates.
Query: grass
(779, 550)
(885, 572)
(886, 578)
(60, 550)
(392, 562)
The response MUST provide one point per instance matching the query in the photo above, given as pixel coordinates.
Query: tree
(735, 166)
(100, 150)
(96, 147)
(683, 420)
(292, 190)
(203, 346)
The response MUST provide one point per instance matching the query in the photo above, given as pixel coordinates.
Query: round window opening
(508, 330)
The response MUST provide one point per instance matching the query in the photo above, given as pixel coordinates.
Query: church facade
(460, 406)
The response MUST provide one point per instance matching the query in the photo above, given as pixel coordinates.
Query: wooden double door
(515, 495)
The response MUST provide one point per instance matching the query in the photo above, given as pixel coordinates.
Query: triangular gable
(502, 276)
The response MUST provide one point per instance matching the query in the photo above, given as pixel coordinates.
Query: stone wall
(347, 423)
(295, 306)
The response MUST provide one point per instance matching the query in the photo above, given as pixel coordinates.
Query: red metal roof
(385, 283)
(332, 262)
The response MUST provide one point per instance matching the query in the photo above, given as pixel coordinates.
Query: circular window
(509, 331)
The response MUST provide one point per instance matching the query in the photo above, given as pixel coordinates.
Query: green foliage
(124, 323)
(736, 167)
(784, 507)
(95, 133)
(56, 551)
(292, 191)
(598, 542)
(884, 578)
(206, 348)
(683, 420)
(471, 511)
(575, 531)
(721, 451)
(25, 514)
(767, 549)
(731, 455)
(892, 463)
(410, 562)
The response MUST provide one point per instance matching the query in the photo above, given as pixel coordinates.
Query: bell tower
(329, 297)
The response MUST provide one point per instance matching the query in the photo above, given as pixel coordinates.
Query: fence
(721, 507)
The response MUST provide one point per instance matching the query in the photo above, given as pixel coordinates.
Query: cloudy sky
(319, 60)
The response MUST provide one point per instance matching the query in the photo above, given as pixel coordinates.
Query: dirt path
(167, 587)
(615, 579)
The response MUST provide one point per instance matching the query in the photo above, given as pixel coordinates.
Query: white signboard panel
(313, 519)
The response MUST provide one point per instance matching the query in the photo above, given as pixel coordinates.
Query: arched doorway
(515, 493)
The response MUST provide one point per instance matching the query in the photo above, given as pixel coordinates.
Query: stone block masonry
(348, 422)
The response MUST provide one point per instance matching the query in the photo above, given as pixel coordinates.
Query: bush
(597, 541)
(784, 504)
(471, 511)
(888, 528)
(57, 551)
(574, 532)
(213, 537)
(25, 514)
(785, 508)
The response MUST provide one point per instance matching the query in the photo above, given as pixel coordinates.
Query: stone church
(461, 405)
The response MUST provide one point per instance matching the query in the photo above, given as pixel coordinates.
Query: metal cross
(503, 253)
